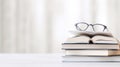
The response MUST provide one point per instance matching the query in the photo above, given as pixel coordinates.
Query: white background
(40, 26)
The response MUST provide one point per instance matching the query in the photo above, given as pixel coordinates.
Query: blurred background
(40, 26)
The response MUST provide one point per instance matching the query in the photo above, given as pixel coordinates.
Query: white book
(89, 46)
(91, 59)
(92, 52)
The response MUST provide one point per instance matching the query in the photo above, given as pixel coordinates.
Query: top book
(92, 38)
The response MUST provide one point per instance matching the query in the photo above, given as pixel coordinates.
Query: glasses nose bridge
(92, 26)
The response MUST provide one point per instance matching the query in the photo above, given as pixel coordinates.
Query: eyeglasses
(82, 26)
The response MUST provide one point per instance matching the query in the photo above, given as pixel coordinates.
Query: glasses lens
(99, 28)
(82, 26)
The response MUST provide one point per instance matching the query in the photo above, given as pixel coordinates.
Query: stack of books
(93, 46)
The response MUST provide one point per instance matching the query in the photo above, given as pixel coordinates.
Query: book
(92, 38)
(91, 59)
(90, 33)
(89, 46)
(92, 52)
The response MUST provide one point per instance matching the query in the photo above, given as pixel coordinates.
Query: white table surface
(46, 60)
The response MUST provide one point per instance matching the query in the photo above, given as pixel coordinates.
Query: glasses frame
(78, 28)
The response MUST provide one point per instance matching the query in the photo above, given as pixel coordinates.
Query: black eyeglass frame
(78, 28)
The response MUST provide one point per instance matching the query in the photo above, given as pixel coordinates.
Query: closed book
(91, 59)
(89, 46)
(92, 52)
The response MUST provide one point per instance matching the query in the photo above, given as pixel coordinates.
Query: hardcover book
(91, 59)
(92, 52)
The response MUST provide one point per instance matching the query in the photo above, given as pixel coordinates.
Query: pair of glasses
(82, 26)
